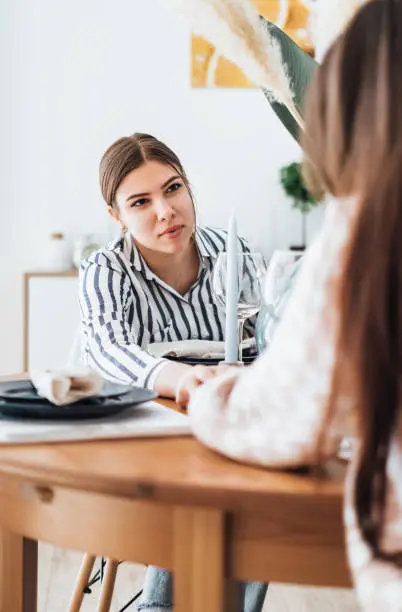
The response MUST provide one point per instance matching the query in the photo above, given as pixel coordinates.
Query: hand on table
(192, 379)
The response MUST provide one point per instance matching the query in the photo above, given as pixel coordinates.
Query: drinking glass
(277, 288)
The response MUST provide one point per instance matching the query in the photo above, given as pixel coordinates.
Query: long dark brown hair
(354, 136)
(129, 153)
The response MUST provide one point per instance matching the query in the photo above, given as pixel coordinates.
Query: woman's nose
(164, 211)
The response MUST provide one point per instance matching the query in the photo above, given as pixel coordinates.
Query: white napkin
(67, 385)
(193, 348)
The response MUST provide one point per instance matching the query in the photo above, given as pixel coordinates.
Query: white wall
(77, 75)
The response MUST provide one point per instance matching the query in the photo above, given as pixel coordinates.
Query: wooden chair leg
(108, 583)
(83, 578)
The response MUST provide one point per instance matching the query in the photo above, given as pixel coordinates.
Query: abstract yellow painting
(211, 70)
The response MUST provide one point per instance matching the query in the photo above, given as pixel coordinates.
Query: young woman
(338, 349)
(152, 284)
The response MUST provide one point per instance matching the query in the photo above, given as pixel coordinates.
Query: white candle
(232, 290)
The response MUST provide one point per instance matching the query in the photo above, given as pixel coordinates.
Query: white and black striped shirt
(125, 307)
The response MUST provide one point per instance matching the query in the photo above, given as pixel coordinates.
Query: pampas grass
(328, 19)
(235, 29)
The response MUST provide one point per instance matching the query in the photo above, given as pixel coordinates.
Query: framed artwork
(208, 69)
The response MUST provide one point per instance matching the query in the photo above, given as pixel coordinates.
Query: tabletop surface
(165, 469)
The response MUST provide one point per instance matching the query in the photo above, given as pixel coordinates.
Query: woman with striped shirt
(152, 284)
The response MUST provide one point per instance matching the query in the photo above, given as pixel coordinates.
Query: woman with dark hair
(152, 284)
(337, 352)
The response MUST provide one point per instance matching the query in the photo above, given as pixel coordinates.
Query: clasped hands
(197, 376)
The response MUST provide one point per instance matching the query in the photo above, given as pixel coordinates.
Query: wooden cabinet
(51, 318)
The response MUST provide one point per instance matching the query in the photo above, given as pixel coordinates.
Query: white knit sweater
(272, 412)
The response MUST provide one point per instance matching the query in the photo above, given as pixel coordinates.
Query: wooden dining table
(172, 503)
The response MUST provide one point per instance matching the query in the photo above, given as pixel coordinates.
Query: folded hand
(192, 379)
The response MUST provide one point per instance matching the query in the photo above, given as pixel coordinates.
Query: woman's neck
(178, 270)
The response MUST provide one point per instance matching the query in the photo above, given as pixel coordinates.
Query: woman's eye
(137, 203)
(173, 187)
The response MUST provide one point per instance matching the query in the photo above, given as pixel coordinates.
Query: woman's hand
(168, 378)
(178, 380)
(192, 379)
(198, 376)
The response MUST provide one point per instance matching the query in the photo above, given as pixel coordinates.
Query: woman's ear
(113, 213)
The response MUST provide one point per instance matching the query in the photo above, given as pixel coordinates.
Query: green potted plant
(292, 181)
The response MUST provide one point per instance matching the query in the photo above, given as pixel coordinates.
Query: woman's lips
(173, 232)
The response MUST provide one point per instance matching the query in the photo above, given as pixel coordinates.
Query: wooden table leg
(30, 575)
(18, 573)
(200, 562)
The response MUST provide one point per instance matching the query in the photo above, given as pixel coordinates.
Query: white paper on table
(144, 420)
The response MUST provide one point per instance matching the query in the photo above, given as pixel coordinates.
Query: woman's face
(154, 204)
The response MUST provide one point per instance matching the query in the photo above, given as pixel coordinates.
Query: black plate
(24, 391)
(93, 408)
(209, 361)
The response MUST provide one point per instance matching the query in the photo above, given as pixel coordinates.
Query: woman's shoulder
(109, 256)
(214, 240)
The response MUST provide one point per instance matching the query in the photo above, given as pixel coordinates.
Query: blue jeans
(158, 592)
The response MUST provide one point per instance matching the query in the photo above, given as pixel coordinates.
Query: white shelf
(51, 318)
